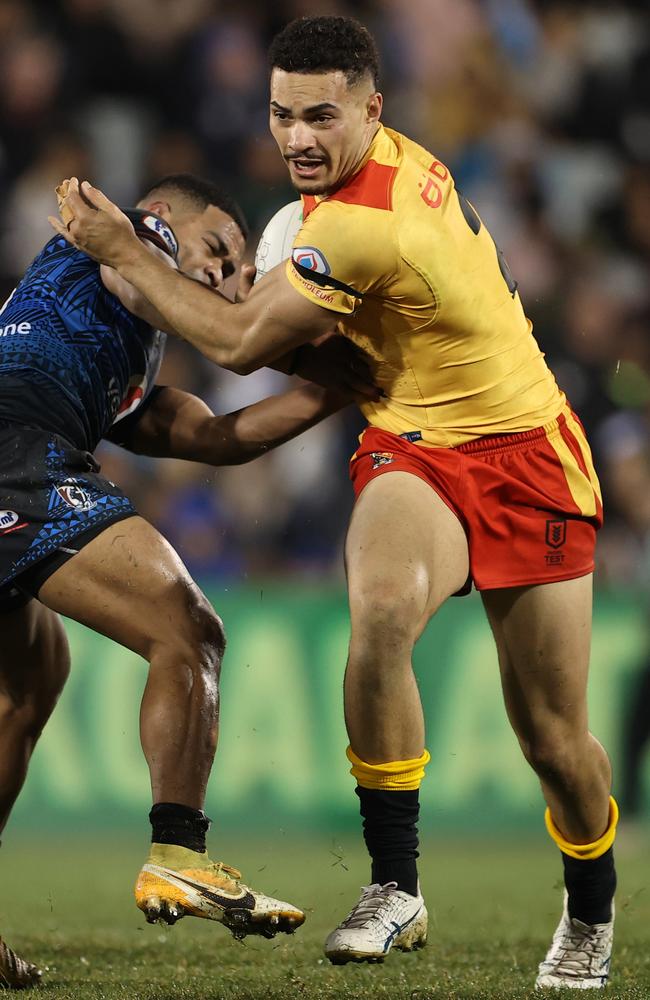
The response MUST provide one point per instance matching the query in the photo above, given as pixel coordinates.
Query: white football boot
(579, 955)
(384, 918)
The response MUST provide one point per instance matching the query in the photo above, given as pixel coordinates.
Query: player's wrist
(128, 257)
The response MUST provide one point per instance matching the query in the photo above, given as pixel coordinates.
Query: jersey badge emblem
(312, 259)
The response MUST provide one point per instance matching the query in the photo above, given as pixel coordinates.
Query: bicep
(276, 318)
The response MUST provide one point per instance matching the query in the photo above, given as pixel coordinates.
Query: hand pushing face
(92, 223)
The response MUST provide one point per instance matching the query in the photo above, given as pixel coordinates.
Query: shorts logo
(75, 496)
(555, 534)
(312, 259)
(7, 519)
(381, 458)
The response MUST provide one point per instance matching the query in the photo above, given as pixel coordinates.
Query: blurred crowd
(541, 109)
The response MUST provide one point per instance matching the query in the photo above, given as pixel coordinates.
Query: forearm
(199, 315)
(179, 425)
(242, 436)
(272, 320)
(242, 336)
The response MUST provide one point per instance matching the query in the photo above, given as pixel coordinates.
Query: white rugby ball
(277, 239)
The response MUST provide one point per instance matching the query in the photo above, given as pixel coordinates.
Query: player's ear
(374, 106)
(162, 208)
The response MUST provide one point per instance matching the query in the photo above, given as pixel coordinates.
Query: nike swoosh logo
(245, 901)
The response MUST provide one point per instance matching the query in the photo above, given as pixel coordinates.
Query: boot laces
(579, 946)
(373, 900)
(220, 868)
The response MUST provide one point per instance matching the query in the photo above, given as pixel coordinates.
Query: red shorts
(529, 503)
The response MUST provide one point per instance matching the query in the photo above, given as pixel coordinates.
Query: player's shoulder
(370, 188)
(57, 261)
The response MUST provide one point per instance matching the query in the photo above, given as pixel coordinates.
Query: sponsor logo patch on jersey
(160, 226)
(312, 259)
(75, 495)
(381, 458)
(12, 328)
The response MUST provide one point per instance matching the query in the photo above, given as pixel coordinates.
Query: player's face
(322, 125)
(210, 245)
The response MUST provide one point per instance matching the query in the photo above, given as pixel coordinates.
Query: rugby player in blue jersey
(79, 354)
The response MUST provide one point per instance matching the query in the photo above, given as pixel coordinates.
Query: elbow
(242, 356)
(239, 363)
(244, 367)
(244, 455)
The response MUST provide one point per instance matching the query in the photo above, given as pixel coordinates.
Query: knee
(197, 639)
(206, 638)
(385, 619)
(553, 757)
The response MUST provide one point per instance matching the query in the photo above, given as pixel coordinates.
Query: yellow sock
(585, 852)
(394, 776)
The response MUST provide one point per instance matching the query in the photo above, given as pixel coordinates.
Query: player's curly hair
(200, 193)
(324, 44)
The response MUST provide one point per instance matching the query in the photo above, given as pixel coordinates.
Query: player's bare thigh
(34, 659)
(130, 584)
(405, 551)
(543, 635)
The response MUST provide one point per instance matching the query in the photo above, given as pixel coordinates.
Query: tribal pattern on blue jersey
(73, 360)
(59, 506)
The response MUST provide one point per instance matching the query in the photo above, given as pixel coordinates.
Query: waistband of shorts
(494, 444)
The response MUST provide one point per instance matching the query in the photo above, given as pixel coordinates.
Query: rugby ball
(277, 239)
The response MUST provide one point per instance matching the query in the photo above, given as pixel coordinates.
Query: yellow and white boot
(176, 882)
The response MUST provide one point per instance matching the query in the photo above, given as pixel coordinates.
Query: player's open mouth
(306, 168)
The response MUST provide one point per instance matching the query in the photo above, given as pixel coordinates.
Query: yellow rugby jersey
(421, 287)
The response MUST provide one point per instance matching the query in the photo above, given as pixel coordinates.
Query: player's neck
(358, 164)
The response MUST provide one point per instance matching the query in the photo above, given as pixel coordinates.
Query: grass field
(68, 906)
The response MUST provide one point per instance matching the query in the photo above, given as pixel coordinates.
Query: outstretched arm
(242, 337)
(179, 425)
(131, 298)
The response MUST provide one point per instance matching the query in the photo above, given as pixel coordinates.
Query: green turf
(493, 908)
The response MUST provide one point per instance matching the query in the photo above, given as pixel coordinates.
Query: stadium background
(542, 110)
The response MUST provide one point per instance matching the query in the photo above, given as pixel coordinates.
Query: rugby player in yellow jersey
(473, 469)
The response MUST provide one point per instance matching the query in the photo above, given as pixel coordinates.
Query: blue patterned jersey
(73, 360)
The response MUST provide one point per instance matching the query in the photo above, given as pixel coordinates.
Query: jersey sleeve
(122, 430)
(342, 253)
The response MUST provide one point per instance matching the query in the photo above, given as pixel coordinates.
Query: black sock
(391, 835)
(181, 825)
(591, 886)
